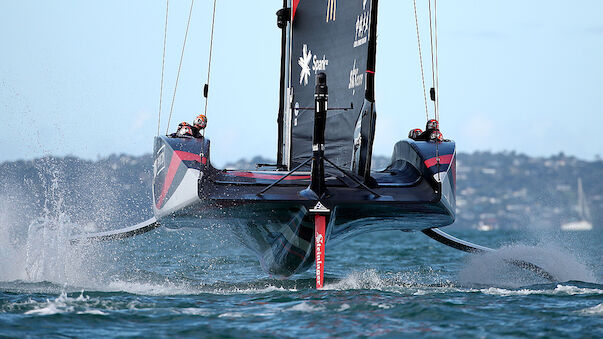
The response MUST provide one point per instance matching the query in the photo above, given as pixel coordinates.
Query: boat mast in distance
(584, 224)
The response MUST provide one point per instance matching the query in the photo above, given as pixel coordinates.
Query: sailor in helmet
(199, 125)
(414, 133)
(184, 130)
(431, 133)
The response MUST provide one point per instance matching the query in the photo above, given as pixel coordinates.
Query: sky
(83, 77)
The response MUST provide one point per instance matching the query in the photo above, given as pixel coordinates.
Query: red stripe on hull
(267, 176)
(444, 160)
(187, 156)
(174, 164)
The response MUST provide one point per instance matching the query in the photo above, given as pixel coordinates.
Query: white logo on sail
(304, 63)
(296, 112)
(331, 10)
(362, 28)
(356, 79)
(319, 65)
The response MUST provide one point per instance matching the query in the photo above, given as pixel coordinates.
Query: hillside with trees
(501, 190)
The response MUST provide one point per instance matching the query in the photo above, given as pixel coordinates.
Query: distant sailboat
(584, 223)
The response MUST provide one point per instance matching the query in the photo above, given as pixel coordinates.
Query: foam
(306, 307)
(343, 307)
(64, 304)
(166, 288)
(193, 311)
(595, 310)
(232, 315)
(368, 279)
(558, 290)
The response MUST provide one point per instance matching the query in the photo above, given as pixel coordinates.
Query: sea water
(201, 282)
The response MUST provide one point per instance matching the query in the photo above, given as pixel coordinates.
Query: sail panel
(330, 36)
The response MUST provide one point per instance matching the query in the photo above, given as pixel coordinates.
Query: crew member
(414, 133)
(199, 125)
(184, 129)
(432, 132)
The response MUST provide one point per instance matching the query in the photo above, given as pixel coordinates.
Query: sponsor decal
(319, 239)
(318, 65)
(319, 208)
(331, 10)
(319, 248)
(356, 78)
(296, 113)
(159, 163)
(304, 63)
(362, 28)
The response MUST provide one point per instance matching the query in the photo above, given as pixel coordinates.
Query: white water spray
(36, 249)
(495, 269)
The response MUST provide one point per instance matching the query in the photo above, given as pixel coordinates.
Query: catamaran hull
(278, 224)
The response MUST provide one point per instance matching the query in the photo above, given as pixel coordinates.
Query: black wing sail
(335, 37)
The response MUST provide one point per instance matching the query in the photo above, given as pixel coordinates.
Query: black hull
(415, 192)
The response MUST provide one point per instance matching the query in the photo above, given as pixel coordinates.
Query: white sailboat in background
(584, 223)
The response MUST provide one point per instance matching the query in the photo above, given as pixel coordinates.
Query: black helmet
(436, 136)
(185, 129)
(414, 133)
(432, 125)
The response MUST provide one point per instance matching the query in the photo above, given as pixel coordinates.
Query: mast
(283, 17)
(582, 206)
(372, 54)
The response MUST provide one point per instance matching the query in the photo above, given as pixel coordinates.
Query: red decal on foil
(319, 247)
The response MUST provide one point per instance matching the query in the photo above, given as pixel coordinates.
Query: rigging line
(421, 60)
(190, 13)
(211, 45)
(434, 55)
(437, 67)
(433, 70)
(167, 6)
(435, 74)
